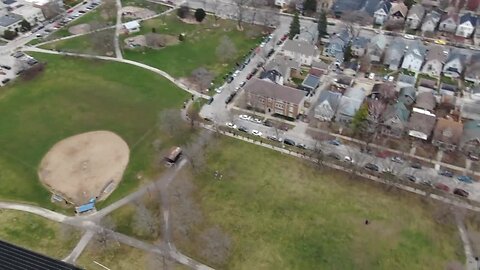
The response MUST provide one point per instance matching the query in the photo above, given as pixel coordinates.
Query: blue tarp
(85, 207)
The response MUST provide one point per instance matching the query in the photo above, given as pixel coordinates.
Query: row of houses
(399, 113)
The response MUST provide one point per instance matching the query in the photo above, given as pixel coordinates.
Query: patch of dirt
(189, 20)
(79, 29)
(85, 166)
(152, 41)
(130, 12)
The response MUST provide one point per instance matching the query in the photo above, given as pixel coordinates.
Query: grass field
(122, 257)
(281, 213)
(200, 46)
(37, 234)
(75, 95)
(99, 43)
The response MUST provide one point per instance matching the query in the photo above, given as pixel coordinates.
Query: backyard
(271, 211)
(75, 95)
(37, 233)
(198, 49)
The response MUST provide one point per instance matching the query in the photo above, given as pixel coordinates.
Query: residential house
(310, 83)
(470, 110)
(405, 80)
(395, 120)
(273, 98)
(284, 65)
(337, 45)
(472, 5)
(351, 68)
(11, 22)
(32, 15)
(327, 105)
(476, 35)
(472, 72)
(475, 92)
(384, 91)
(426, 101)
(320, 65)
(343, 82)
(449, 23)
(434, 60)
(415, 16)
(407, 95)
(467, 25)
(376, 47)
(301, 51)
(454, 64)
(394, 54)
(349, 104)
(413, 59)
(398, 12)
(421, 124)
(381, 14)
(447, 134)
(359, 46)
(426, 85)
(470, 141)
(272, 75)
(431, 21)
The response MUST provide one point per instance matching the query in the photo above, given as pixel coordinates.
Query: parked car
(416, 165)
(242, 84)
(244, 117)
(230, 98)
(6, 67)
(231, 125)
(210, 101)
(260, 64)
(335, 142)
(289, 142)
(268, 123)
(256, 132)
(442, 186)
(230, 79)
(446, 173)
(274, 138)
(460, 192)
(397, 160)
(301, 146)
(410, 177)
(5, 81)
(372, 167)
(465, 179)
(348, 159)
(243, 129)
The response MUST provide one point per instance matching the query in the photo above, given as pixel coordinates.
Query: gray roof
(360, 42)
(300, 47)
(406, 79)
(396, 110)
(395, 50)
(416, 49)
(10, 19)
(417, 10)
(319, 65)
(268, 89)
(405, 92)
(311, 81)
(471, 110)
(436, 52)
(469, 17)
(433, 16)
(333, 98)
(282, 63)
(422, 122)
(349, 106)
(379, 40)
(357, 93)
(426, 101)
(471, 131)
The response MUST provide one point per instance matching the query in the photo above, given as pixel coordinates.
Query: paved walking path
(118, 30)
(470, 263)
(73, 256)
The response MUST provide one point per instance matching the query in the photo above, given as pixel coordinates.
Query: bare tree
(153, 40)
(226, 50)
(241, 7)
(104, 237)
(145, 222)
(52, 9)
(170, 121)
(256, 4)
(156, 261)
(195, 152)
(217, 245)
(202, 77)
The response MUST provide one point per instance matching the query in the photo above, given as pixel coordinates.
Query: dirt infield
(85, 166)
(79, 29)
(131, 12)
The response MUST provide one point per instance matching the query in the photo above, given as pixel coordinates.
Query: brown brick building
(273, 98)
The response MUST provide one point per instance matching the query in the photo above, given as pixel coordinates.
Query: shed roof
(426, 101)
(421, 122)
(301, 47)
(10, 19)
(272, 90)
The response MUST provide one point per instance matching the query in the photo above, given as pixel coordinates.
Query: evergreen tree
(347, 54)
(294, 27)
(322, 24)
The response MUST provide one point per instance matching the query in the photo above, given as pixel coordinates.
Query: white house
(131, 27)
(10, 22)
(32, 15)
(414, 56)
(381, 14)
(454, 65)
(301, 51)
(467, 25)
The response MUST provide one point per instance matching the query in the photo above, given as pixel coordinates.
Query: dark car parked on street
(289, 142)
(460, 192)
(371, 167)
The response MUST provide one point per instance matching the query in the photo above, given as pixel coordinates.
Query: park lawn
(283, 213)
(199, 48)
(73, 96)
(120, 257)
(37, 233)
(99, 43)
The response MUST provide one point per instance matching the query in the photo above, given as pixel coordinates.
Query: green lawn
(75, 95)
(282, 213)
(99, 43)
(122, 257)
(200, 46)
(38, 234)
